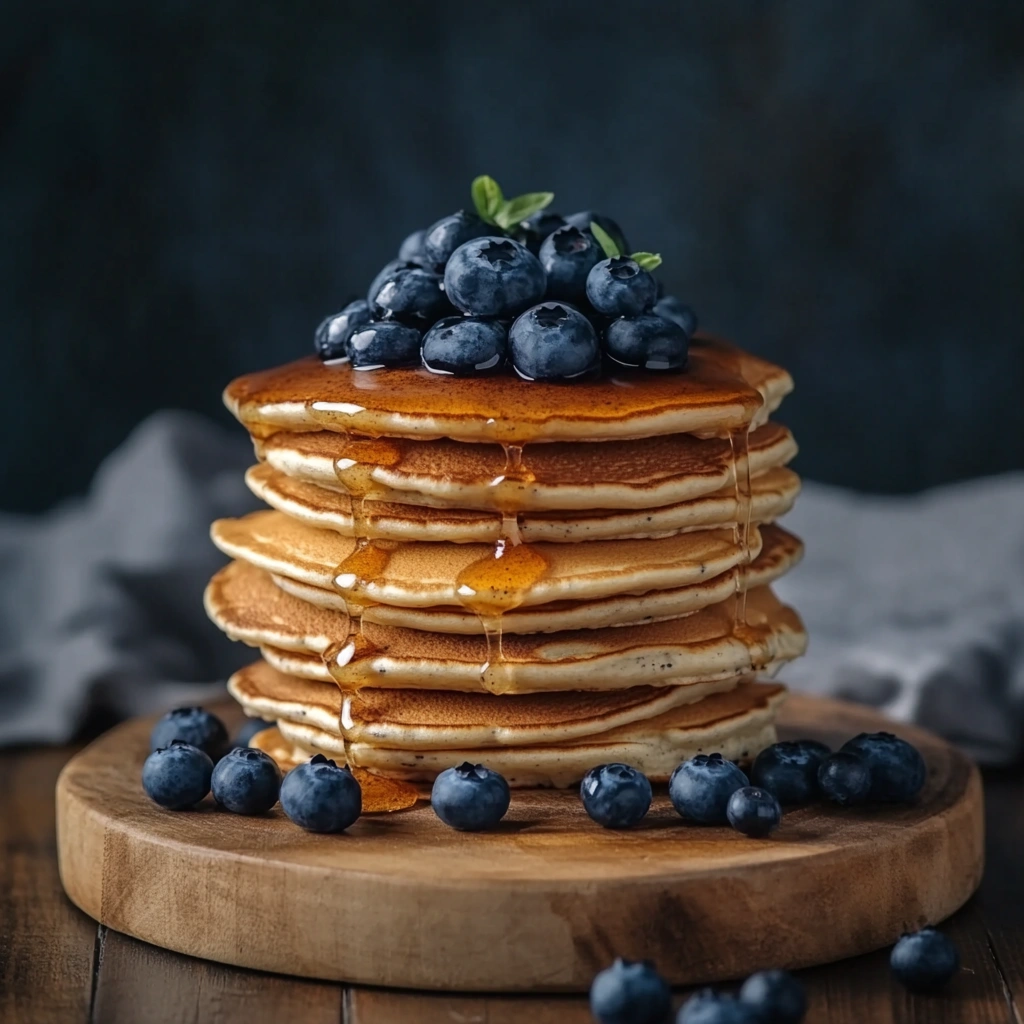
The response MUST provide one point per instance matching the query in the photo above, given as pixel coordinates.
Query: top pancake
(724, 388)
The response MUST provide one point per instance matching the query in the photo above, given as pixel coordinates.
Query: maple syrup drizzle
(739, 445)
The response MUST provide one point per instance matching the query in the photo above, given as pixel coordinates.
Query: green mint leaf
(611, 250)
(487, 198)
(647, 260)
(513, 211)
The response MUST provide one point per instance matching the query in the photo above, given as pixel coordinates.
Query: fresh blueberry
(711, 1007)
(844, 778)
(384, 343)
(465, 346)
(470, 797)
(553, 341)
(778, 997)
(493, 277)
(585, 218)
(789, 770)
(411, 250)
(615, 795)
(250, 727)
(700, 788)
(670, 308)
(532, 231)
(620, 287)
(897, 769)
(567, 257)
(333, 334)
(191, 725)
(444, 237)
(648, 341)
(321, 797)
(924, 960)
(246, 781)
(753, 811)
(405, 294)
(388, 270)
(630, 992)
(177, 776)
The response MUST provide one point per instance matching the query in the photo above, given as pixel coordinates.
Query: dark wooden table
(56, 965)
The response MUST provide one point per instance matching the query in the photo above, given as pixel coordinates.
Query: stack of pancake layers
(537, 577)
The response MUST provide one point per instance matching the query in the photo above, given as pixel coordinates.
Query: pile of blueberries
(513, 284)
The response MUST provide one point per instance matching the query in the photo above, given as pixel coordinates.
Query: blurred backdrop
(186, 189)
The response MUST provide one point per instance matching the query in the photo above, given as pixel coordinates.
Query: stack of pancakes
(538, 577)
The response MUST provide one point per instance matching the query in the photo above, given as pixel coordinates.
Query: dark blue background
(186, 188)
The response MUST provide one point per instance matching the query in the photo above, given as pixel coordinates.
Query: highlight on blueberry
(444, 237)
(553, 341)
(493, 276)
(177, 776)
(753, 811)
(647, 341)
(334, 333)
(701, 787)
(409, 293)
(777, 996)
(411, 250)
(711, 1007)
(465, 346)
(321, 797)
(384, 343)
(616, 795)
(630, 992)
(470, 798)
(924, 961)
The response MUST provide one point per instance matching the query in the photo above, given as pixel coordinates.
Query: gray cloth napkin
(914, 605)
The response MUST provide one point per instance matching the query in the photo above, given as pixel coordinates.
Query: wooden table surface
(56, 965)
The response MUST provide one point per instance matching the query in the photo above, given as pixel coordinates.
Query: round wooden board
(542, 903)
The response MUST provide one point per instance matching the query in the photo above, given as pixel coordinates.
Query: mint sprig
(493, 208)
(645, 260)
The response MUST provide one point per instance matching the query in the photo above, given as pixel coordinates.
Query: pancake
(639, 474)
(702, 647)
(427, 575)
(772, 494)
(723, 388)
(780, 551)
(438, 720)
(739, 724)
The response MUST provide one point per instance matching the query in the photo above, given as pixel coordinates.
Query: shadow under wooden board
(540, 904)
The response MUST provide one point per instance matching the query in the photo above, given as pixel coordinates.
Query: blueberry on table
(493, 276)
(777, 995)
(897, 768)
(192, 725)
(321, 797)
(411, 250)
(470, 798)
(409, 293)
(177, 776)
(465, 346)
(532, 231)
(753, 811)
(246, 781)
(630, 992)
(384, 343)
(444, 237)
(670, 308)
(389, 268)
(925, 960)
(615, 795)
(844, 778)
(585, 218)
(789, 770)
(620, 287)
(334, 333)
(648, 341)
(700, 788)
(249, 728)
(553, 341)
(567, 257)
(711, 1007)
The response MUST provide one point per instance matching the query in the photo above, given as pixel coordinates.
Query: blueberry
(333, 334)
(844, 778)
(465, 346)
(249, 729)
(897, 769)
(321, 797)
(553, 341)
(670, 308)
(711, 1007)
(615, 795)
(778, 997)
(384, 343)
(789, 770)
(191, 725)
(567, 257)
(406, 293)
(411, 250)
(532, 231)
(444, 237)
(177, 776)
(389, 269)
(753, 811)
(648, 341)
(246, 781)
(620, 287)
(924, 960)
(700, 788)
(470, 797)
(630, 992)
(493, 277)
(585, 218)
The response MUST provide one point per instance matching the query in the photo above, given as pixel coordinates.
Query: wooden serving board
(543, 903)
